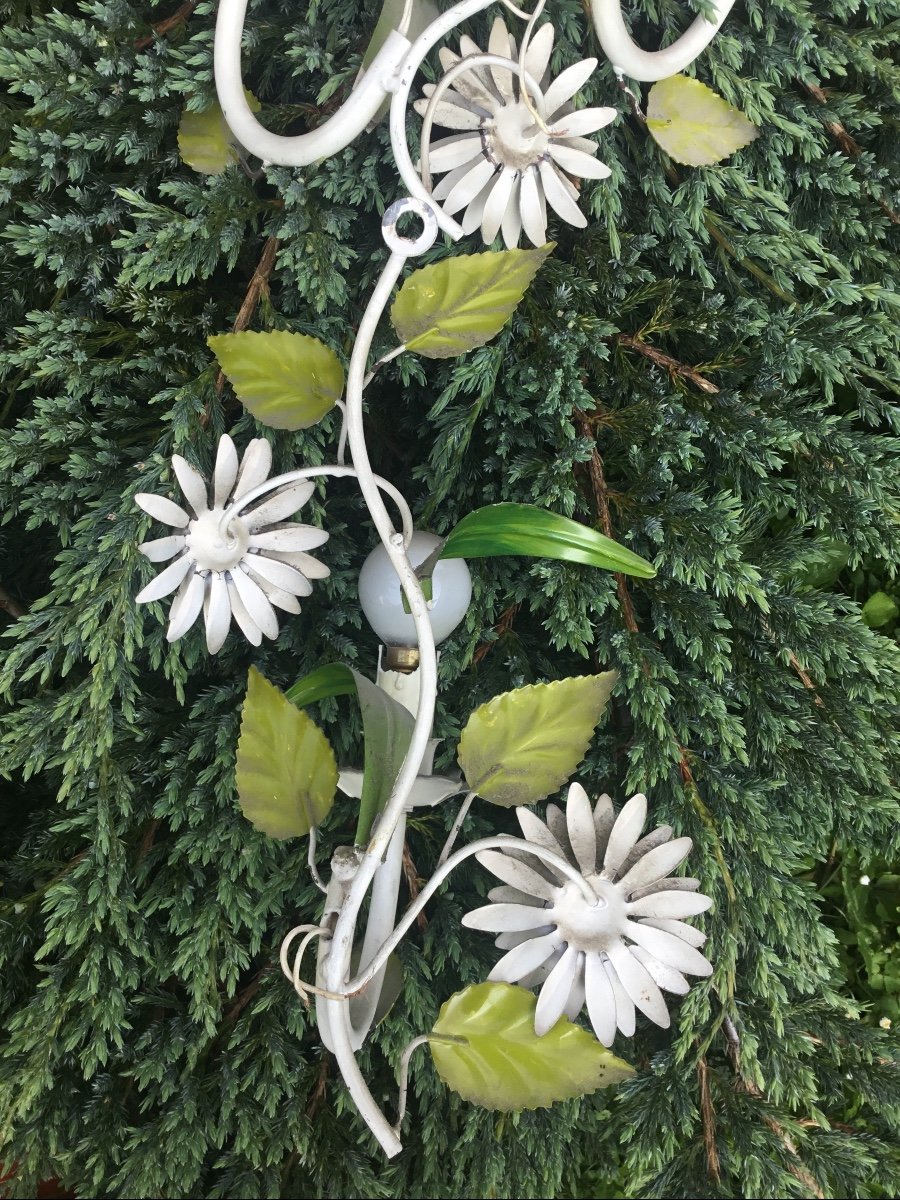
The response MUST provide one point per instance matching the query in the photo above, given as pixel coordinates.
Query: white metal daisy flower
(615, 955)
(258, 561)
(503, 168)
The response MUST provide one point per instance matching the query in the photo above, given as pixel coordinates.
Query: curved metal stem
(629, 59)
(337, 472)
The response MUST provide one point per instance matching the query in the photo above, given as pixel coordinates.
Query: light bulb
(382, 599)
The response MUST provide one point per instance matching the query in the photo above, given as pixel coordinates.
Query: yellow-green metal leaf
(460, 303)
(523, 745)
(496, 1060)
(287, 380)
(694, 124)
(205, 142)
(286, 772)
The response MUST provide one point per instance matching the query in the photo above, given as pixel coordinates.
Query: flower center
(586, 926)
(213, 550)
(513, 138)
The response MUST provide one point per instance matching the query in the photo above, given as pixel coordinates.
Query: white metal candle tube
(329, 138)
(629, 59)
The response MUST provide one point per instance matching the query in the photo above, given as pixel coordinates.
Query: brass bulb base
(404, 659)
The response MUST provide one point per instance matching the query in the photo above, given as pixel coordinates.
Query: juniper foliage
(152, 1046)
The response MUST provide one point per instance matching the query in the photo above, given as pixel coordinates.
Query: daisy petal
(218, 613)
(166, 581)
(467, 48)
(505, 918)
(469, 186)
(537, 977)
(600, 1000)
(558, 197)
(556, 820)
(275, 595)
(625, 833)
(511, 895)
(565, 85)
(290, 538)
(506, 941)
(162, 548)
(668, 949)
(582, 121)
(473, 214)
(656, 837)
(449, 182)
(638, 983)
(162, 510)
(537, 58)
(665, 977)
(575, 1002)
(501, 43)
(255, 467)
(604, 819)
(244, 621)
(305, 563)
(279, 507)
(555, 992)
(687, 933)
(511, 228)
(670, 905)
(261, 612)
(533, 220)
(225, 471)
(578, 143)
(524, 959)
(578, 163)
(684, 883)
(496, 205)
(451, 152)
(281, 575)
(517, 874)
(580, 825)
(453, 112)
(186, 607)
(192, 484)
(625, 1015)
(470, 84)
(655, 864)
(534, 830)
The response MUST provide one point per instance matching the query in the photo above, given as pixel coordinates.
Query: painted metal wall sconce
(586, 910)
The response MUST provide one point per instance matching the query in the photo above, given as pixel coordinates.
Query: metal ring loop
(405, 245)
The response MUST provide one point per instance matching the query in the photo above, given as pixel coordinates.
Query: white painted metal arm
(337, 132)
(629, 59)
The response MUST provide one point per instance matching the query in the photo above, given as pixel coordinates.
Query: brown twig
(799, 1172)
(320, 1091)
(258, 287)
(601, 503)
(503, 626)
(667, 362)
(413, 883)
(162, 27)
(10, 605)
(244, 996)
(847, 144)
(708, 1116)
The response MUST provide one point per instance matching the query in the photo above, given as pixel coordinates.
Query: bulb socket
(403, 659)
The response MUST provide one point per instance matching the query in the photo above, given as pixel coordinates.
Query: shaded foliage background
(708, 373)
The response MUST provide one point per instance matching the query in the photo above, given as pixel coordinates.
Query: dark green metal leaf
(525, 529)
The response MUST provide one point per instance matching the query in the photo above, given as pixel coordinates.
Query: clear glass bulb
(382, 599)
